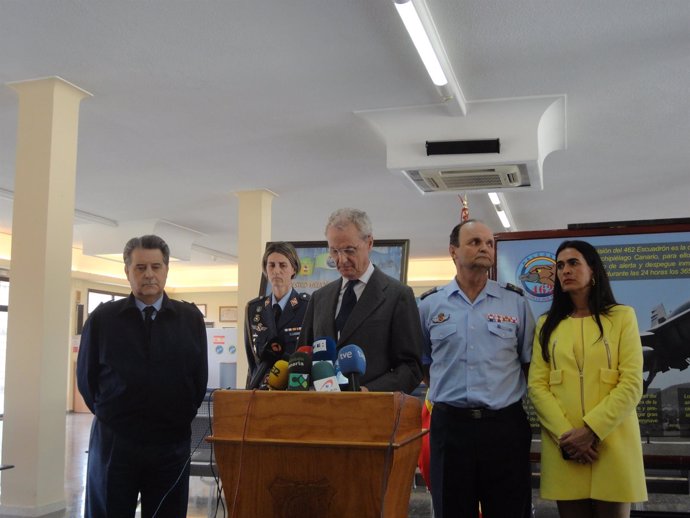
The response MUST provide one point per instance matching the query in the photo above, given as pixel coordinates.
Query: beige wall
(213, 300)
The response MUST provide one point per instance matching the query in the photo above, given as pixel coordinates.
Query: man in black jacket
(142, 370)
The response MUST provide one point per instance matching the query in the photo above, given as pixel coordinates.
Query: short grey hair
(346, 216)
(148, 242)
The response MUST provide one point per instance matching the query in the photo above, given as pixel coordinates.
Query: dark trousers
(119, 470)
(483, 460)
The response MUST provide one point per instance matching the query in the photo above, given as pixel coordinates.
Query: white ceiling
(194, 100)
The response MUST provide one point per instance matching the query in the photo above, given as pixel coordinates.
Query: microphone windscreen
(322, 369)
(299, 368)
(305, 349)
(351, 360)
(324, 349)
(278, 375)
(272, 351)
(324, 378)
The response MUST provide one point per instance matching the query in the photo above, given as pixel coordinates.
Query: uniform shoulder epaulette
(514, 288)
(428, 292)
(256, 299)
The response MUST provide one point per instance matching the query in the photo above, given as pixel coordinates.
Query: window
(95, 297)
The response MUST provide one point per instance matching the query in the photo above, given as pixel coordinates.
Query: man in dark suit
(367, 308)
(142, 369)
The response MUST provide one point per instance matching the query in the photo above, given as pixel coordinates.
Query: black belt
(478, 413)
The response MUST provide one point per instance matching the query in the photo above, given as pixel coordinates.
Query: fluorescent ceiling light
(501, 208)
(422, 43)
(504, 219)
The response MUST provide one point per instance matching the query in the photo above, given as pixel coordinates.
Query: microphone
(271, 353)
(299, 367)
(324, 350)
(353, 364)
(324, 378)
(305, 349)
(343, 383)
(278, 376)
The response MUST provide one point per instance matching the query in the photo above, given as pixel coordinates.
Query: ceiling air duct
(524, 131)
(452, 180)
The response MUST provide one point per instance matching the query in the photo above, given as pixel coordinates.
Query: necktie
(348, 302)
(277, 311)
(148, 319)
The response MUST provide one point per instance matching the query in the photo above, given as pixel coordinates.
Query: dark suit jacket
(384, 323)
(145, 389)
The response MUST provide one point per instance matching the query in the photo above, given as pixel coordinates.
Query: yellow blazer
(610, 391)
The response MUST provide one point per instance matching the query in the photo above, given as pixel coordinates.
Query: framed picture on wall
(202, 308)
(227, 313)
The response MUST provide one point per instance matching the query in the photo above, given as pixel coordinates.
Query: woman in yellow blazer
(585, 381)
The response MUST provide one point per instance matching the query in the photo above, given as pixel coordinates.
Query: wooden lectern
(316, 454)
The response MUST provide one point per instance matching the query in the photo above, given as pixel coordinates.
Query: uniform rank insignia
(293, 301)
(514, 288)
(495, 317)
(428, 292)
(440, 318)
(267, 301)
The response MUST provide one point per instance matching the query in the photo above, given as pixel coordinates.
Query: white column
(39, 300)
(254, 232)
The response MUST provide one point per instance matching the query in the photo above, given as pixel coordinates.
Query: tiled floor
(202, 489)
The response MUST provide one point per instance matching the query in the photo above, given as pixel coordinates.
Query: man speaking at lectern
(367, 308)
(142, 369)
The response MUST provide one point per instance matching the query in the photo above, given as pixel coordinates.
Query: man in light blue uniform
(477, 344)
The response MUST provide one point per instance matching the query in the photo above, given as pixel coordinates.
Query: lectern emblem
(292, 499)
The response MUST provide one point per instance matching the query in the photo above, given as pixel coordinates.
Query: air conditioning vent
(486, 178)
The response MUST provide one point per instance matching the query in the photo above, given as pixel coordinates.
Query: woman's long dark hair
(600, 301)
